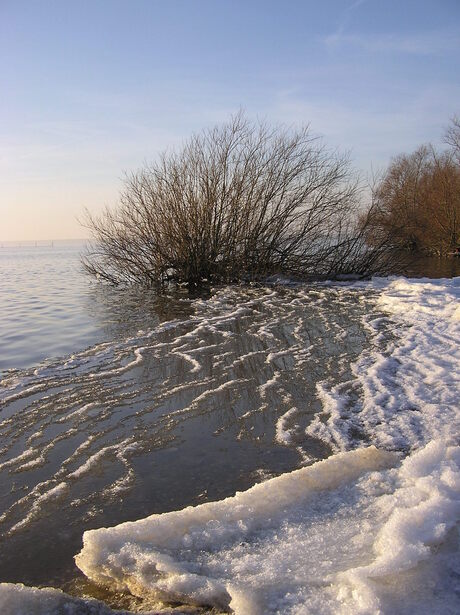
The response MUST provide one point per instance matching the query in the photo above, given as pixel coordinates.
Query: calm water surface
(50, 308)
(118, 404)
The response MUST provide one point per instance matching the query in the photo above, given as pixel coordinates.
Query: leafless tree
(417, 202)
(241, 200)
(452, 137)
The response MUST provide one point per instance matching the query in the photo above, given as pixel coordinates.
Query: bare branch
(241, 200)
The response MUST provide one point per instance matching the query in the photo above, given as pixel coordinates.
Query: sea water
(284, 449)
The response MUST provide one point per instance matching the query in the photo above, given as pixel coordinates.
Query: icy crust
(17, 599)
(349, 534)
(178, 555)
(405, 389)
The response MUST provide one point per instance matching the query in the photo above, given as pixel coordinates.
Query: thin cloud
(347, 15)
(426, 44)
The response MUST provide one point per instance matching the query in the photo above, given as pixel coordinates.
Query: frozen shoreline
(300, 554)
(359, 532)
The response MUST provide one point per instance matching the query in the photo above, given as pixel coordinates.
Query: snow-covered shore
(371, 529)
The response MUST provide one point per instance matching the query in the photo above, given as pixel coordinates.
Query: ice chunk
(260, 543)
(349, 534)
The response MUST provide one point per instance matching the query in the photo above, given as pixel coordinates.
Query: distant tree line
(245, 200)
(417, 200)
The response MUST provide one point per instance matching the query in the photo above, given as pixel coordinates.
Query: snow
(405, 388)
(17, 599)
(335, 537)
(52, 494)
(124, 368)
(268, 384)
(283, 433)
(194, 555)
(345, 535)
(94, 460)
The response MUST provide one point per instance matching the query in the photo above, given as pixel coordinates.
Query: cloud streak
(425, 44)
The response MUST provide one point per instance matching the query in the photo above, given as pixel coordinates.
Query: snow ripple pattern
(405, 387)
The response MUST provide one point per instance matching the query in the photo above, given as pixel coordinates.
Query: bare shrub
(239, 201)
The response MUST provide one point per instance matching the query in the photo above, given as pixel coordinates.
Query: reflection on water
(432, 267)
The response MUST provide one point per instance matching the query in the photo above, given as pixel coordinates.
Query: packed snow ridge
(350, 534)
(405, 388)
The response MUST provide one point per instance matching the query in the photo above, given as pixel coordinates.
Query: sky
(93, 88)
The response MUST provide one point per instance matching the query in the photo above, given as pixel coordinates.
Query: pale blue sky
(92, 87)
